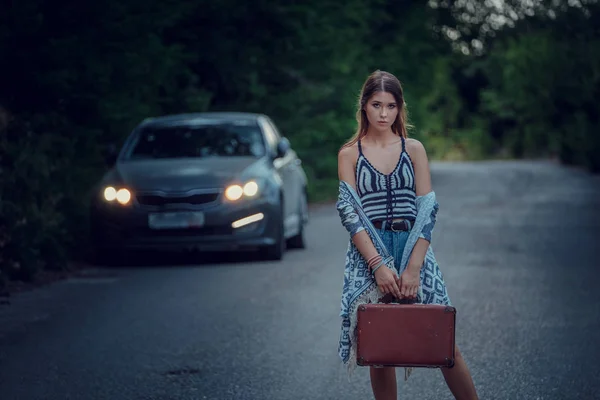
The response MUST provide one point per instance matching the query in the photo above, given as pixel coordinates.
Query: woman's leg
(458, 379)
(383, 383)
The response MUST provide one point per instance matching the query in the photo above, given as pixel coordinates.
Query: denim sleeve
(349, 217)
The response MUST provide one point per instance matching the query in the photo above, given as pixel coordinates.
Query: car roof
(176, 119)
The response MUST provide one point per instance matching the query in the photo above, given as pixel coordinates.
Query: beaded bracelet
(376, 267)
(372, 258)
(373, 261)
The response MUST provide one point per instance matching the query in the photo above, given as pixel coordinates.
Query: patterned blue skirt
(432, 279)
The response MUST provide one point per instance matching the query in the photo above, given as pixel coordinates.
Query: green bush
(33, 228)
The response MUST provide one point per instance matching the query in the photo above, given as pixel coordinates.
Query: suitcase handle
(390, 298)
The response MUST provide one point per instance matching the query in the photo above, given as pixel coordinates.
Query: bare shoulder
(418, 156)
(416, 150)
(347, 157)
(348, 153)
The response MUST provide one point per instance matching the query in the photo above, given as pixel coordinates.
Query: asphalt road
(516, 241)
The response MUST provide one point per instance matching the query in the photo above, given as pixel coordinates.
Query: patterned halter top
(387, 197)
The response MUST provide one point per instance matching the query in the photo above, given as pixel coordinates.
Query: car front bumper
(128, 228)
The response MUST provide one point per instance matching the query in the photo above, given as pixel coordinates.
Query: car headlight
(120, 195)
(236, 192)
(251, 189)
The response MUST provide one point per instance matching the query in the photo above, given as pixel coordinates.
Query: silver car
(207, 181)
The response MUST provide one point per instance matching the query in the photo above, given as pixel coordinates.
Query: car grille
(158, 200)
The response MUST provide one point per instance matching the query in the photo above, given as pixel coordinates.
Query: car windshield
(198, 140)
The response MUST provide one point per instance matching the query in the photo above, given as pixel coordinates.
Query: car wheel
(298, 241)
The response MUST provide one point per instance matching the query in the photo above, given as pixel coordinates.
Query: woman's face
(381, 110)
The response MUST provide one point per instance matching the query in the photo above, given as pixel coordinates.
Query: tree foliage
(482, 79)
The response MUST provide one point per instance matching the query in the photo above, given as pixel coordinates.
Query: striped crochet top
(387, 197)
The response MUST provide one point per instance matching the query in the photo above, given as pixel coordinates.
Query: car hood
(183, 174)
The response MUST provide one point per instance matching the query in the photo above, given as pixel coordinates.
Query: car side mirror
(283, 147)
(110, 155)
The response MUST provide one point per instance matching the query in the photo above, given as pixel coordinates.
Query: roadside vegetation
(520, 80)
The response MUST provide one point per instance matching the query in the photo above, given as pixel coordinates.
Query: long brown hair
(380, 81)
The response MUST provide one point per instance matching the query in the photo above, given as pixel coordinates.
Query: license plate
(176, 220)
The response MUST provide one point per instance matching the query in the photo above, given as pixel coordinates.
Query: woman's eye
(392, 106)
(375, 105)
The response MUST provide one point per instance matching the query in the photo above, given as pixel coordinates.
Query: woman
(387, 205)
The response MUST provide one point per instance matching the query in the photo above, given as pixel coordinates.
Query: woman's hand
(387, 281)
(409, 282)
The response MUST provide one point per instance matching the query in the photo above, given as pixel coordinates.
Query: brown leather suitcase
(405, 335)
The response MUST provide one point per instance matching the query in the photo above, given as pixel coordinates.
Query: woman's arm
(346, 167)
(420, 161)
